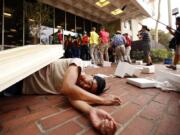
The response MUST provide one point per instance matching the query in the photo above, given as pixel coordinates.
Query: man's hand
(168, 28)
(109, 99)
(102, 121)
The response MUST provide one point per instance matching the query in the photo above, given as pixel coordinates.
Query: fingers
(106, 123)
(168, 27)
(107, 127)
(116, 101)
(114, 126)
(102, 128)
(111, 100)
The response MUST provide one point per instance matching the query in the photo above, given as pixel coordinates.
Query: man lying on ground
(65, 76)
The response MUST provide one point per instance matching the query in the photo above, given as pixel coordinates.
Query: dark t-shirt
(177, 36)
(145, 36)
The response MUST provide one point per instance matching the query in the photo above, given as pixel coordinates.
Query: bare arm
(100, 119)
(81, 105)
(73, 91)
(170, 30)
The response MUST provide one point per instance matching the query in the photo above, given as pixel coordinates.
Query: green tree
(163, 39)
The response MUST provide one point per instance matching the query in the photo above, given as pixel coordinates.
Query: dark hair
(93, 28)
(178, 18)
(102, 27)
(145, 27)
(101, 84)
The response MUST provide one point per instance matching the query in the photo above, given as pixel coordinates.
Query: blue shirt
(118, 39)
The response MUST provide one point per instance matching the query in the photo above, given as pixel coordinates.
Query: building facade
(37, 21)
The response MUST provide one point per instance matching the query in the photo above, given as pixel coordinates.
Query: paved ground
(143, 112)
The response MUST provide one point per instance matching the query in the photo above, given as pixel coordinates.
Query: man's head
(93, 84)
(93, 28)
(145, 28)
(178, 20)
(101, 84)
(102, 28)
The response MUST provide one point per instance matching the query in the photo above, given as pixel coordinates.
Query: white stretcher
(18, 63)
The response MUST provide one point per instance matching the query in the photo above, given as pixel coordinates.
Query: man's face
(88, 83)
(178, 22)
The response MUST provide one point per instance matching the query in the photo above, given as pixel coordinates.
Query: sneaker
(172, 67)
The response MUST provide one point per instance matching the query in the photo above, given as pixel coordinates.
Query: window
(59, 23)
(87, 26)
(59, 18)
(32, 21)
(47, 17)
(79, 24)
(13, 23)
(1, 4)
(70, 19)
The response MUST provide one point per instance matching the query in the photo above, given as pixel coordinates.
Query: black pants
(84, 52)
(13, 90)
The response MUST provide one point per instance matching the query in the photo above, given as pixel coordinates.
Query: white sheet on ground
(167, 80)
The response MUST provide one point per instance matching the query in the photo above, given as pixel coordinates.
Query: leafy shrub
(157, 55)
(137, 55)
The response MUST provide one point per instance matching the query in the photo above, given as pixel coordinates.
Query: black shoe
(101, 65)
(172, 67)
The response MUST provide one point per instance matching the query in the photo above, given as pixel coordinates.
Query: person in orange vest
(77, 45)
(60, 36)
(68, 47)
(85, 46)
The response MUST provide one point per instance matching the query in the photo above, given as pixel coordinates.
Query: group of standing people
(144, 35)
(77, 47)
(97, 46)
(122, 46)
(94, 46)
(72, 47)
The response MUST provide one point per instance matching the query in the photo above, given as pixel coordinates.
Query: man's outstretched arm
(71, 90)
(101, 120)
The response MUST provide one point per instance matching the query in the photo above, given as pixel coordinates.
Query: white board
(148, 69)
(142, 82)
(124, 68)
(20, 62)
